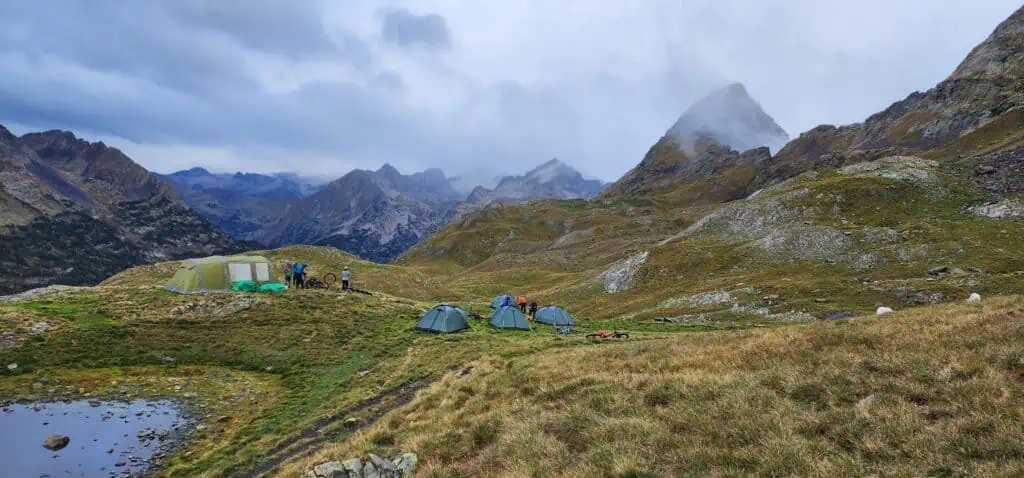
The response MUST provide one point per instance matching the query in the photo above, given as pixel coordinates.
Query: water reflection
(107, 438)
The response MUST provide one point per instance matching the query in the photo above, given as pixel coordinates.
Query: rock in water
(975, 297)
(406, 464)
(883, 311)
(56, 442)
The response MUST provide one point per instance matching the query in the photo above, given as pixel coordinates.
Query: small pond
(106, 438)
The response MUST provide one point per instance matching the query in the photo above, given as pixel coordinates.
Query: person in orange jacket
(521, 302)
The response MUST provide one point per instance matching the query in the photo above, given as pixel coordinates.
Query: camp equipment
(554, 315)
(219, 273)
(608, 335)
(501, 301)
(509, 317)
(443, 319)
(272, 287)
(245, 286)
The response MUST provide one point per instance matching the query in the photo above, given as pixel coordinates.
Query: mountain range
(375, 215)
(75, 212)
(243, 204)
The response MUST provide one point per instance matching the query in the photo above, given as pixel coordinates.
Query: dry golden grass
(935, 391)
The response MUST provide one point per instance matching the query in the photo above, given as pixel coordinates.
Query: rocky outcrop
(403, 465)
(621, 276)
(1007, 208)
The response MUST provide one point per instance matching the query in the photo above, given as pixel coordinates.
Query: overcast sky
(474, 87)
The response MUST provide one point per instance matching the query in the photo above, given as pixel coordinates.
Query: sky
(480, 89)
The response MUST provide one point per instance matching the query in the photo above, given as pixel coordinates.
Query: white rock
(883, 311)
(12, 366)
(620, 276)
(975, 297)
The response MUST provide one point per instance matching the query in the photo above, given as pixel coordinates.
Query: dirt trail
(309, 441)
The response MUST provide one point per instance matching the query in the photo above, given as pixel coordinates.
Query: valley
(846, 303)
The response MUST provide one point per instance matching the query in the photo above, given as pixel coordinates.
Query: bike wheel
(330, 279)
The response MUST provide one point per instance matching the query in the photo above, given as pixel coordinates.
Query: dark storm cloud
(325, 86)
(402, 27)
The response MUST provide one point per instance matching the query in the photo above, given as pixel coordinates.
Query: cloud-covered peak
(732, 118)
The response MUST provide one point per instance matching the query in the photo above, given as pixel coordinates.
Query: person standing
(346, 276)
(299, 275)
(288, 273)
(521, 302)
(533, 309)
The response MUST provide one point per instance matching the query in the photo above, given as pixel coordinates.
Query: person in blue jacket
(299, 275)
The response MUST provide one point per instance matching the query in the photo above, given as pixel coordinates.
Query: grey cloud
(530, 81)
(404, 28)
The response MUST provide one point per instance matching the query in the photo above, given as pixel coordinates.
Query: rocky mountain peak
(195, 172)
(999, 52)
(730, 116)
(552, 170)
(387, 170)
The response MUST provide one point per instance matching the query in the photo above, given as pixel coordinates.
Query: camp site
(516, 239)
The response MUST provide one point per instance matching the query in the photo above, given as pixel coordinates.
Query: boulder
(370, 471)
(937, 271)
(56, 442)
(883, 311)
(385, 468)
(331, 469)
(975, 297)
(353, 467)
(406, 464)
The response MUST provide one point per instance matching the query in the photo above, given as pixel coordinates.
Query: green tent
(554, 315)
(219, 274)
(501, 301)
(509, 317)
(443, 319)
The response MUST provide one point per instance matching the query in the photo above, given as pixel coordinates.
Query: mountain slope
(75, 212)
(245, 205)
(707, 140)
(847, 234)
(375, 215)
(987, 84)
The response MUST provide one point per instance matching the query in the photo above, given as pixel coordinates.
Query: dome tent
(554, 315)
(443, 319)
(502, 300)
(509, 317)
(219, 274)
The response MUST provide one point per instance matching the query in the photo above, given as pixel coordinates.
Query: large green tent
(502, 300)
(509, 317)
(443, 319)
(219, 273)
(554, 315)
